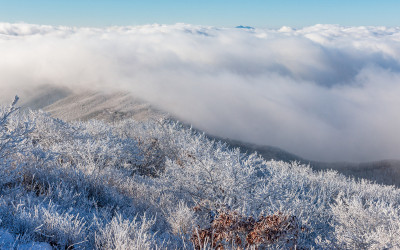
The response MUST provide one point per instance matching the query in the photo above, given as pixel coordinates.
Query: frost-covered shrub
(93, 144)
(157, 141)
(89, 185)
(14, 130)
(366, 224)
(222, 177)
(47, 224)
(181, 219)
(122, 234)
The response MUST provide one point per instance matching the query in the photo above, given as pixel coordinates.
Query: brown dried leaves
(233, 230)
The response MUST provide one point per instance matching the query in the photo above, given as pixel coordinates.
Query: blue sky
(258, 13)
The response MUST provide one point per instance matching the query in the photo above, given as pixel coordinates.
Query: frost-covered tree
(14, 145)
(13, 131)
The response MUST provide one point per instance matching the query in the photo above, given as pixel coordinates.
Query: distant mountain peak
(244, 27)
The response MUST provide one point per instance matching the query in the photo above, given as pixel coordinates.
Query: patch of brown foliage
(231, 229)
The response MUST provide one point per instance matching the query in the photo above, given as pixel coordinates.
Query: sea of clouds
(324, 92)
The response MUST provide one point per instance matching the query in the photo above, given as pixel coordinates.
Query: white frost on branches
(152, 184)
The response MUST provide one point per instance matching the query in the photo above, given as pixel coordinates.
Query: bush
(229, 229)
(90, 184)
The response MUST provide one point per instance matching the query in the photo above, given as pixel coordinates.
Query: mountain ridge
(111, 107)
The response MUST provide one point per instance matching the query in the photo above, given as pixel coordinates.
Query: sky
(220, 13)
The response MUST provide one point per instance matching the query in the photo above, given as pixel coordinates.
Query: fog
(324, 92)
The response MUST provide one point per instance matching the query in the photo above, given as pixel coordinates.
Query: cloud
(324, 92)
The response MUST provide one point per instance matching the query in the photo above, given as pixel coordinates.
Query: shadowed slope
(43, 96)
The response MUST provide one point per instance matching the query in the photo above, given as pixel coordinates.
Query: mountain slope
(109, 107)
(113, 107)
(158, 184)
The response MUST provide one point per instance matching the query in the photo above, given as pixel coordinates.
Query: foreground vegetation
(146, 185)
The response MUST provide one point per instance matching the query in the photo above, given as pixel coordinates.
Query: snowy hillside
(146, 184)
(116, 106)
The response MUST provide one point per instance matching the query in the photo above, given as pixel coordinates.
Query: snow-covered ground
(8, 241)
(145, 184)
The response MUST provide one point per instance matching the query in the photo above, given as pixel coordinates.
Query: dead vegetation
(231, 230)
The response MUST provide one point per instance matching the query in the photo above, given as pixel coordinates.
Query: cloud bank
(324, 92)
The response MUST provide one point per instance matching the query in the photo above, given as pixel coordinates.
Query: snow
(6, 239)
(114, 185)
(35, 246)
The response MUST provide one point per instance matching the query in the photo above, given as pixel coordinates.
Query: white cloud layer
(323, 92)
